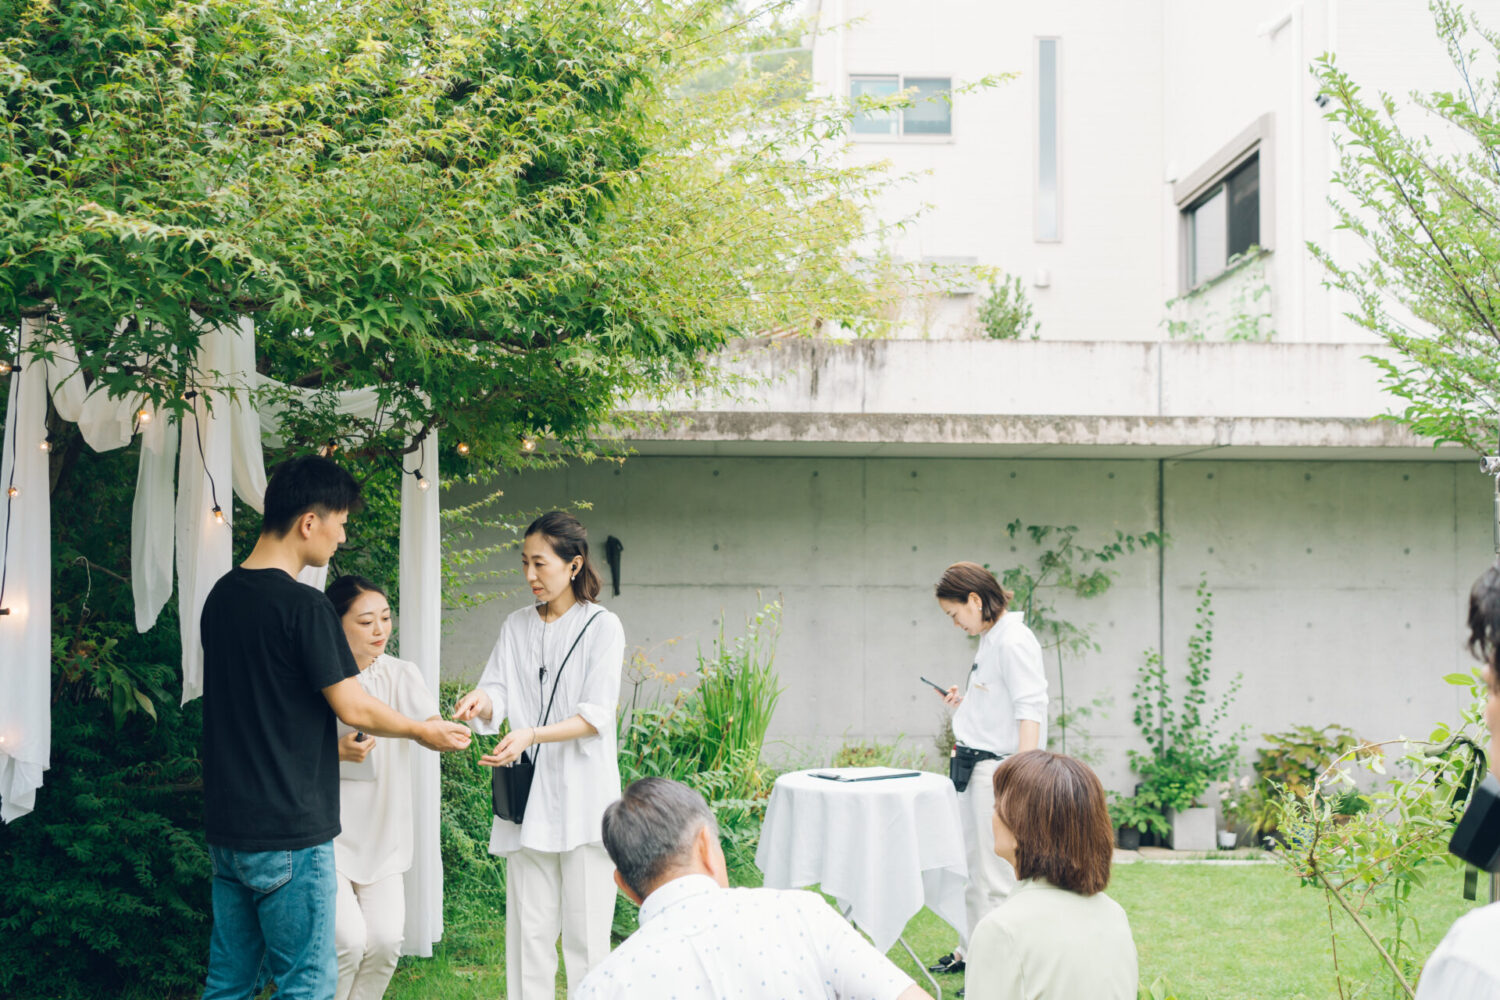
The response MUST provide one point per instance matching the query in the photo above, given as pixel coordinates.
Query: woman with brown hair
(1058, 936)
(1002, 710)
(554, 675)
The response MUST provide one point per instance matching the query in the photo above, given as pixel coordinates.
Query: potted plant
(1184, 751)
(1238, 807)
(1134, 815)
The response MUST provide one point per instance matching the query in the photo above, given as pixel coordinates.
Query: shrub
(1290, 764)
(1005, 314)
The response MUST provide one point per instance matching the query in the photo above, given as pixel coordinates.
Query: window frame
(1257, 141)
(901, 135)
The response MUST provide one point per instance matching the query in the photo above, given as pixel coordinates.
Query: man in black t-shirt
(277, 671)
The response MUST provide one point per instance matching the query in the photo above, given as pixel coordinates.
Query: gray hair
(650, 830)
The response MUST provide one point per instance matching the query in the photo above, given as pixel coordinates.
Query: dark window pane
(1244, 207)
(930, 113)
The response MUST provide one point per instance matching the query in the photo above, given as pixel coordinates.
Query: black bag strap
(536, 750)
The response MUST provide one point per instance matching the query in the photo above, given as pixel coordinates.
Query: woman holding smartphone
(1000, 710)
(564, 651)
(374, 851)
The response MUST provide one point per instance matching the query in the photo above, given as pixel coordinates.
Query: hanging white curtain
(26, 555)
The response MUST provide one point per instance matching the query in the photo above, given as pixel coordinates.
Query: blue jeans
(273, 920)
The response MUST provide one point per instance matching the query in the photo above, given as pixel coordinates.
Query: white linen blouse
(576, 779)
(375, 807)
(1006, 684)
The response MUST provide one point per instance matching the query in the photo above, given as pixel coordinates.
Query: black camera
(1477, 838)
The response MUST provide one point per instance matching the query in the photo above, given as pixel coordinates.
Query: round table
(882, 848)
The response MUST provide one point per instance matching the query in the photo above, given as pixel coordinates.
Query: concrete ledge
(899, 435)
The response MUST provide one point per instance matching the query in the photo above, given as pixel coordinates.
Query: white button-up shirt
(1006, 685)
(575, 780)
(699, 941)
(1466, 963)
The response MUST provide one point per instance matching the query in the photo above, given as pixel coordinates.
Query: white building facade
(1152, 175)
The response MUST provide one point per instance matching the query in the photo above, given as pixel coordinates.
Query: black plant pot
(1129, 838)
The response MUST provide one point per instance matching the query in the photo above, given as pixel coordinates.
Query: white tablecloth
(881, 848)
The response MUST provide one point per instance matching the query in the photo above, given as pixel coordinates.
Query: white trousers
(369, 923)
(991, 878)
(547, 894)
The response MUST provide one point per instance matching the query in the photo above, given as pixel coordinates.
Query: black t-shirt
(270, 743)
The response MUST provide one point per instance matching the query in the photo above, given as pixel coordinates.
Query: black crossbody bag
(510, 786)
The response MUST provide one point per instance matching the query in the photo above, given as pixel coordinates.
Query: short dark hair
(569, 539)
(310, 483)
(649, 831)
(1054, 805)
(346, 589)
(965, 578)
(1484, 617)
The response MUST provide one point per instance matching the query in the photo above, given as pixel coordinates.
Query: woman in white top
(1058, 936)
(374, 850)
(559, 880)
(1000, 710)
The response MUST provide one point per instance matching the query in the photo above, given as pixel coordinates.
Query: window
(1224, 223)
(1048, 198)
(930, 113)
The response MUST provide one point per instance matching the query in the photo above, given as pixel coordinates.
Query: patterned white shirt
(700, 942)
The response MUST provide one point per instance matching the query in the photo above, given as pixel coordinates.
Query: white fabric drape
(165, 521)
(25, 552)
(421, 642)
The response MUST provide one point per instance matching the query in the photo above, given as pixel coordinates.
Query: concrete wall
(1339, 586)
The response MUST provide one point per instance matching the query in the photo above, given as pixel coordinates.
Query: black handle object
(612, 549)
(940, 690)
(359, 737)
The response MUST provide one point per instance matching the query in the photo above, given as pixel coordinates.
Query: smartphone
(934, 685)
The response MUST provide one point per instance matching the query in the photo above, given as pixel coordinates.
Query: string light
(46, 444)
(144, 416)
(528, 443)
(422, 482)
(12, 491)
(218, 514)
(328, 449)
(6, 367)
(463, 447)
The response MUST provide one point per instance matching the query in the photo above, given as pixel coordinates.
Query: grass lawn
(1214, 932)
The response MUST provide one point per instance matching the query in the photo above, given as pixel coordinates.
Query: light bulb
(463, 447)
(528, 443)
(6, 367)
(13, 492)
(46, 444)
(144, 416)
(422, 483)
(218, 514)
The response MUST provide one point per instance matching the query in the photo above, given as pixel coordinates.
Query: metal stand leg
(937, 991)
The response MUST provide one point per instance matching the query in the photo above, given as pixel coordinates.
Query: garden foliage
(1423, 212)
(1368, 860)
(1185, 750)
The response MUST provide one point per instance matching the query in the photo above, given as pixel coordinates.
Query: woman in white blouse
(559, 880)
(1058, 936)
(1000, 709)
(374, 850)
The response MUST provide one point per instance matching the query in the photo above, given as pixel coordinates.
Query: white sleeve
(600, 697)
(492, 683)
(413, 697)
(1021, 666)
(846, 961)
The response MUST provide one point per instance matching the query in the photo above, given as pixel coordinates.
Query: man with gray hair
(701, 939)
